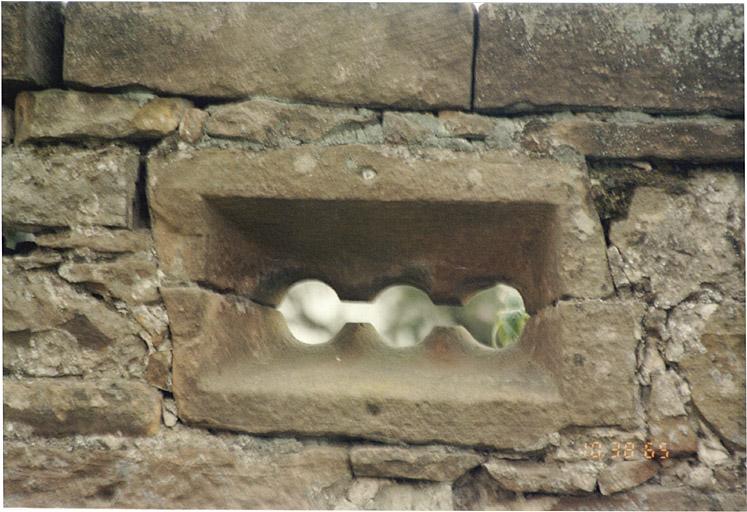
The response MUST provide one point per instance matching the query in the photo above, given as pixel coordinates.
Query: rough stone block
(158, 370)
(97, 239)
(191, 129)
(677, 432)
(640, 137)
(675, 239)
(645, 497)
(716, 372)
(434, 463)
(415, 56)
(74, 115)
(67, 186)
(271, 123)
(624, 475)
(553, 478)
(189, 472)
(658, 58)
(32, 45)
(376, 494)
(130, 278)
(51, 329)
(56, 407)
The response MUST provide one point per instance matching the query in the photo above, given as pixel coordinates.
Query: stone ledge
(237, 367)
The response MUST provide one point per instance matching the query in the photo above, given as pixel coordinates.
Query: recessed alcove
(235, 229)
(450, 250)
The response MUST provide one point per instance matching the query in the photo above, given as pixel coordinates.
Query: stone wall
(170, 169)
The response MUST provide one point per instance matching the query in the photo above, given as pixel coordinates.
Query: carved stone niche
(235, 229)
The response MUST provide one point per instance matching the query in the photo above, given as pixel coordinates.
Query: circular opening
(403, 314)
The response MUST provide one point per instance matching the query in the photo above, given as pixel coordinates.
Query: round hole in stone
(403, 315)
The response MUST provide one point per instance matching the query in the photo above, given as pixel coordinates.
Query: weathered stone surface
(191, 129)
(468, 126)
(479, 491)
(271, 123)
(311, 189)
(37, 259)
(422, 496)
(65, 186)
(553, 478)
(412, 56)
(51, 329)
(154, 321)
(418, 463)
(575, 446)
(233, 360)
(7, 125)
(678, 434)
(194, 471)
(674, 241)
(451, 130)
(158, 370)
(624, 475)
(645, 497)
(716, 372)
(599, 346)
(680, 58)
(32, 45)
(412, 128)
(381, 494)
(711, 451)
(73, 115)
(54, 407)
(131, 278)
(667, 397)
(97, 239)
(638, 136)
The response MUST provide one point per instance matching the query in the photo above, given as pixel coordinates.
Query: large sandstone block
(189, 472)
(55, 407)
(409, 55)
(68, 186)
(74, 115)
(32, 45)
(255, 223)
(236, 366)
(659, 58)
